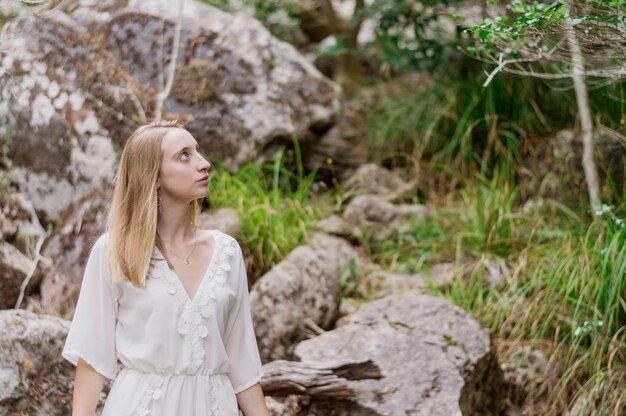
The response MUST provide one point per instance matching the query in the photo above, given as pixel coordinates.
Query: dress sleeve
(92, 332)
(241, 345)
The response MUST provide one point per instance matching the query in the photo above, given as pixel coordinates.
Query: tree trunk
(324, 379)
(167, 88)
(582, 100)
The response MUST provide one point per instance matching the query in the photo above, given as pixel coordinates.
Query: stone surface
(68, 247)
(525, 369)
(13, 214)
(83, 74)
(14, 267)
(225, 219)
(305, 285)
(381, 283)
(371, 210)
(443, 274)
(371, 178)
(337, 225)
(34, 378)
(435, 358)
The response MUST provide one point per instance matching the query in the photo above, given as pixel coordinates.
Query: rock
(436, 359)
(369, 208)
(13, 214)
(48, 107)
(302, 287)
(34, 377)
(442, 274)
(371, 178)
(224, 219)
(332, 156)
(381, 283)
(345, 311)
(14, 267)
(239, 86)
(287, 407)
(525, 369)
(338, 226)
(375, 211)
(18, 222)
(83, 74)
(68, 246)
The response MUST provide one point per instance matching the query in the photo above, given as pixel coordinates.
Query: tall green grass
(457, 124)
(273, 203)
(565, 290)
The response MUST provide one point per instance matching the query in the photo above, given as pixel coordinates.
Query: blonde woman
(166, 299)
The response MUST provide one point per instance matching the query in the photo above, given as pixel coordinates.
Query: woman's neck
(174, 224)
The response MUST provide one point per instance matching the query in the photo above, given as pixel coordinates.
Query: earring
(159, 203)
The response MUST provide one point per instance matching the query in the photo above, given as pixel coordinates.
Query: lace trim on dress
(193, 313)
(156, 383)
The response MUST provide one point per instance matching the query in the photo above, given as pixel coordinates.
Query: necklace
(186, 259)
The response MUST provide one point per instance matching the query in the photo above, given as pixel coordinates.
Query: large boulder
(20, 233)
(34, 377)
(18, 220)
(83, 74)
(14, 267)
(436, 360)
(68, 246)
(299, 294)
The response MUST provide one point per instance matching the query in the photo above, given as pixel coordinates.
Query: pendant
(186, 261)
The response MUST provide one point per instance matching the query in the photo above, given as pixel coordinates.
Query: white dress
(177, 356)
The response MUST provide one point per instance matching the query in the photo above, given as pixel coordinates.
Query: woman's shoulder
(227, 240)
(100, 242)
(219, 235)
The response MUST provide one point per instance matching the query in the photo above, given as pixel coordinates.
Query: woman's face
(183, 174)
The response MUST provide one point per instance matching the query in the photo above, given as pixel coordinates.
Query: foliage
(447, 120)
(564, 292)
(273, 205)
(279, 16)
(535, 34)
(410, 35)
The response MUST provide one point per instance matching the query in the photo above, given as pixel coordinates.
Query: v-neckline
(209, 267)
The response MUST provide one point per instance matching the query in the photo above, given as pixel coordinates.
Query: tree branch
(163, 94)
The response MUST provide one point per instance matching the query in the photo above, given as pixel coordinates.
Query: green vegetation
(274, 206)
(565, 288)
(484, 161)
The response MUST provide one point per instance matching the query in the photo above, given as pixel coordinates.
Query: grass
(564, 287)
(565, 290)
(458, 125)
(274, 206)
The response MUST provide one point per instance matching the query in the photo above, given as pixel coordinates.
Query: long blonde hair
(132, 220)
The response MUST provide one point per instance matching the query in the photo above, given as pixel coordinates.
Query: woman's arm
(87, 387)
(252, 402)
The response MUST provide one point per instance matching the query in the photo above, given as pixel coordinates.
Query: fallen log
(320, 379)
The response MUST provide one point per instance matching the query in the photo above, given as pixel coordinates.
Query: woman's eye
(184, 154)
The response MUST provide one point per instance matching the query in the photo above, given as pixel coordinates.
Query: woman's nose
(205, 165)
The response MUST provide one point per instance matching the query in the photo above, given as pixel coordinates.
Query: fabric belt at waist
(172, 374)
